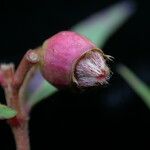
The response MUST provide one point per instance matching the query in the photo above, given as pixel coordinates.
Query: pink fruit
(68, 57)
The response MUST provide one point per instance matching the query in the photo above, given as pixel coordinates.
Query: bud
(68, 57)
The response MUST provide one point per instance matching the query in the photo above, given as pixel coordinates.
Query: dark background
(95, 119)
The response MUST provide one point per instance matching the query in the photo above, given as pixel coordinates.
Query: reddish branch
(12, 83)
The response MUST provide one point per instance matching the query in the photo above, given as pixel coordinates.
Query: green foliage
(100, 26)
(6, 112)
(137, 85)
(43, 91)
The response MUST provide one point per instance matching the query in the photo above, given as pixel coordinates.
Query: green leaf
(43, 91)
(6, 112)
(102, 25)
(136, 84)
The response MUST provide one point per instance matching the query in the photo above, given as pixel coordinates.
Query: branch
(30, 59)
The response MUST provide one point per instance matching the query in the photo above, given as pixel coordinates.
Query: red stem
(13, 83)
(21, 136)
(30, 59)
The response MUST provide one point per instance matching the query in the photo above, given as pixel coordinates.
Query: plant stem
(21, 136)
(14, 84)
(18, 124)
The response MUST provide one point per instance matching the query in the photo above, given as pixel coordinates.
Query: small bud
(32, 56)
(68, 57)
